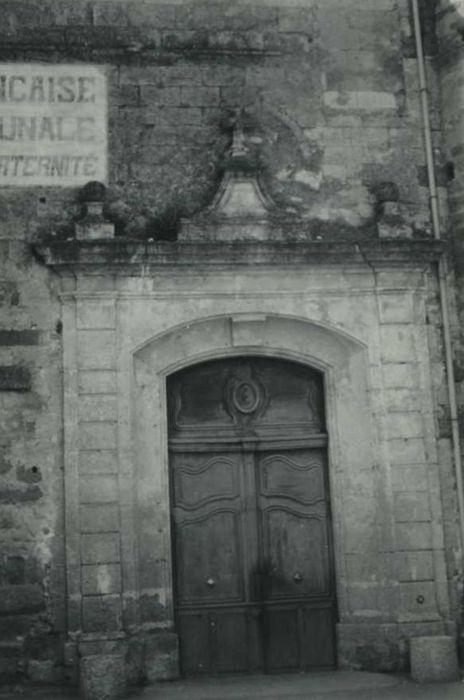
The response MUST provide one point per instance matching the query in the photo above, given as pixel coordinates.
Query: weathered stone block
(181, 116)
(26, 337)
(128, 95)
(96, 283)
(417, 600)
(365, 598)
(161, 657)
(17, 495)
(413, 566)
(410, 478)
(219, 75)
(401, 399)
(98, 462)
(405, 424)
(412, 536)
(99, 646)
(168, 96)
(370, 647)
(297, 19)
(396, 308)
(19, 599)
(15, 626)
(374, 101)
(71, 655)
(100, 518)
(102, 677)
(96, 349)
(97, 382)
(406, 451)
(96, 315)
(135, 653)
(6, 464)
(147, 14)
(101, 579)
(364, 567)
(10, 663)
(42, 672)
(179, 74)
(412, 506)
(12, 570)
(98, 436)
(200, 96)
(237, 17)
(102, 613)
(397, 343)
(98, 489)
(8, 290)
(98, 408)
(362, 537)
(15, 378)
(400, 375)
(100, 549)
(434, 659)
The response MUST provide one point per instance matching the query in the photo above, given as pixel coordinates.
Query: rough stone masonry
(332, 126)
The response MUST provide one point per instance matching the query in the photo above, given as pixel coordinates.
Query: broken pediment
(241, 208)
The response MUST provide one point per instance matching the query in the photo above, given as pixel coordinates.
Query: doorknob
(297, 577)
(210, 582)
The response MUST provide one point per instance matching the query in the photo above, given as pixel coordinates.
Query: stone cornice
(132, 257)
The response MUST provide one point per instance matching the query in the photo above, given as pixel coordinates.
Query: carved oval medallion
(246, 396)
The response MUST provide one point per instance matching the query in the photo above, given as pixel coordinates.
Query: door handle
(297, 577)
(210, 582)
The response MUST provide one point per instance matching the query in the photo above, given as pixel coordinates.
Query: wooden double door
(251, 518)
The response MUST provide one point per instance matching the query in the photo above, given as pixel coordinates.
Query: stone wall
(331, 104)
(31, 466)
(330, 93)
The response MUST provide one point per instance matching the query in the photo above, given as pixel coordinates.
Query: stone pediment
(242, 209)
(241, 226)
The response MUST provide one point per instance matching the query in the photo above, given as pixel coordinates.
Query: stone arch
(341, 359)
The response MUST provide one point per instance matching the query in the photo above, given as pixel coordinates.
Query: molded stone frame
(363, 324)
(340, 357)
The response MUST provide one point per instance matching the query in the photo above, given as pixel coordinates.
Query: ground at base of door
(339, 685)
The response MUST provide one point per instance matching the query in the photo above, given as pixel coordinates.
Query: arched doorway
(252, 542)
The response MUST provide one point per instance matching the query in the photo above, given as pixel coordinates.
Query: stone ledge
(122, 254)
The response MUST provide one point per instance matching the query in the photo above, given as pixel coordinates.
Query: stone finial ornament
(239, 147)
(391, 215)
(241, 209)
(93, 225)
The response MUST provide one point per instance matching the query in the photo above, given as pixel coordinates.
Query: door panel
(224, 640)
(319, 636)
(294, 554)
(209, 559)
(299, 638)
(208, 527)
(200, 481)
(231, 641)
(251, 522)
(195, 648)
(294, 525)
(298, 475)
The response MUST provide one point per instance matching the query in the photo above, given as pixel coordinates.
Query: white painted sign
(53, 125)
